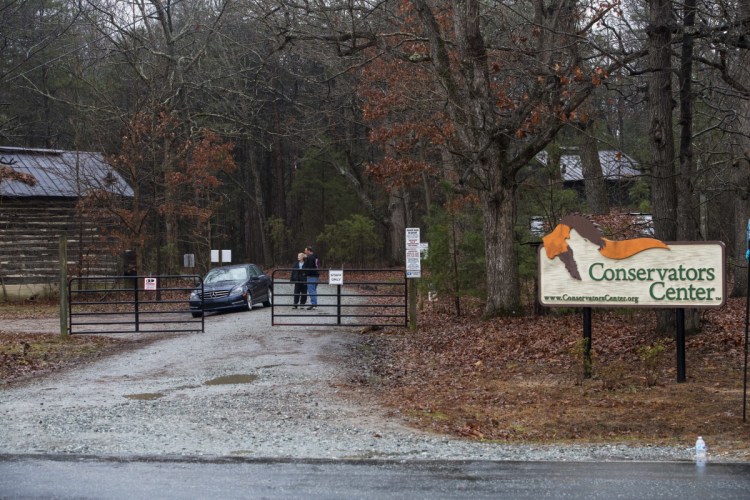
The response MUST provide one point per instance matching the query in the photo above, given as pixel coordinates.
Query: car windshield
(232, 274)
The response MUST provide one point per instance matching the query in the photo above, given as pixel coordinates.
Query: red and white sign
(149, 283)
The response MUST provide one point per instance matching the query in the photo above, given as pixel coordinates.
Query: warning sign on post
(149, 283)
(413, 262)
(412, 237)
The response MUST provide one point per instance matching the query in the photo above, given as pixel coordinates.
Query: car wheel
(197, 314)
(249, 301)
(269, 298)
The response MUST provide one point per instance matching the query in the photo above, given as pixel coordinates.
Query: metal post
(70, 312)
(135, 297)
(680, 320)
(64, 294)
(747, 313)
(412, 303)
(406, 301)
(587, 341)
(338, 304)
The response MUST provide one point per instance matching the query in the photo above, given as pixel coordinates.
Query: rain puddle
(232, 379)
(146, 396)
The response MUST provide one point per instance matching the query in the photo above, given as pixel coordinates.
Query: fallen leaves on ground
(26, 355)
(521, 379)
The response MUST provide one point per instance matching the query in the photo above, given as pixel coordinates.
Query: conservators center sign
(579, 267)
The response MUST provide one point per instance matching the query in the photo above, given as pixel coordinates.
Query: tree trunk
(593, 178)
(257, 190)
(170, 210)
(687, 204)
(278, 164)
(500, 253)
(397, 226)
(663, 190)
(425, 181)
(742, 169)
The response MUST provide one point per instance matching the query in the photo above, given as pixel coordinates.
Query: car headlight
(238, 290)
(195, 295)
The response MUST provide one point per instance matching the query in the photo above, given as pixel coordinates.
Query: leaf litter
(520, 380)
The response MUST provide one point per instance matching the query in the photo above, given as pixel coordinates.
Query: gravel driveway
(242, 388)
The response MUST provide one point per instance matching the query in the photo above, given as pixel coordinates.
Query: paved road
(63, 477)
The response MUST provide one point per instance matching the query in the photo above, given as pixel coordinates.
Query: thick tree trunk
(663, 190)
(500, 253)
(742, 169)
(397, 226)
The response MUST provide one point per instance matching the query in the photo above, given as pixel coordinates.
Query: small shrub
(613, 375)
(583, 366)
(651, 359)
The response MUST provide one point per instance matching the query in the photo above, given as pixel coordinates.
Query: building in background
(35, 214)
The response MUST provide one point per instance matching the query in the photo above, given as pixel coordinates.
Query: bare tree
(162, 44)
(738, 74)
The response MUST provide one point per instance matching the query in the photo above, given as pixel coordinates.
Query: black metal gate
(346, 297)
(127, 304)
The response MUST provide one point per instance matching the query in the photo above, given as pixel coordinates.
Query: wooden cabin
(35, 214)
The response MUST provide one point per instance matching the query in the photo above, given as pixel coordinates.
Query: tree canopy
(265, 125)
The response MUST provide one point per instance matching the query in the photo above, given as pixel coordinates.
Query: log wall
(30, 230)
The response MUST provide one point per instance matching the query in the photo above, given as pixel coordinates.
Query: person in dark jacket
(312, 264)
(299, 279)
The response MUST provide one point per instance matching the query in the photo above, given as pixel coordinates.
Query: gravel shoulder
(242, 388)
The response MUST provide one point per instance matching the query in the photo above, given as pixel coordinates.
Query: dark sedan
(231, 287)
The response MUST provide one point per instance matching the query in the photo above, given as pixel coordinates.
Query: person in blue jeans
(312, 264)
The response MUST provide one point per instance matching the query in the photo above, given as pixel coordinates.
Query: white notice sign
(149, 283)
(423, 249)
(335, 276)
(413, 263)
(412, 236)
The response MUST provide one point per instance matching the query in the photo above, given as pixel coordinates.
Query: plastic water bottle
(700, 449)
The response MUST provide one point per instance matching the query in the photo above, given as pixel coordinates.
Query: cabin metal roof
(68, 174)
(616, 165)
